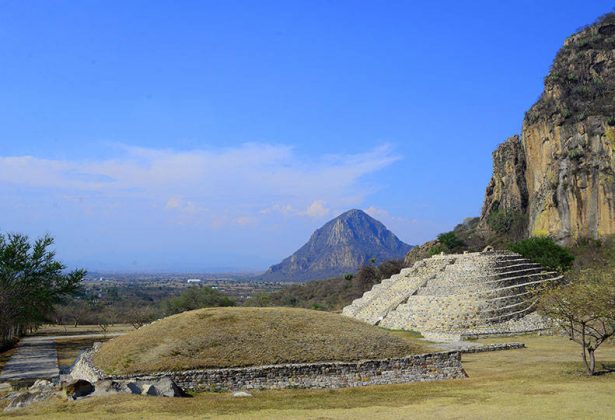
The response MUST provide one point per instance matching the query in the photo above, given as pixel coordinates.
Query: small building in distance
(193, 280)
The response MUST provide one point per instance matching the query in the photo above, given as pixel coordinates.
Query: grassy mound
(232, 337)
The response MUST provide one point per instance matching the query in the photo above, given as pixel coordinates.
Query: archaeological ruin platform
(456, 295)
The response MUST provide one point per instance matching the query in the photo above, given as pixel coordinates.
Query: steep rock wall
(559, 178)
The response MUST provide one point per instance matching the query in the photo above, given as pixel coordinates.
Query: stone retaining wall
(415, 368)
(494, 347)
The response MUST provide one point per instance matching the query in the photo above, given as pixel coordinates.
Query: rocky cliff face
(342, 245)
(559, 177)
(506, 198)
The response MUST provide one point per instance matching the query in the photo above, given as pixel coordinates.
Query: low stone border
(494, 347)
(415, 368)
(476, 336)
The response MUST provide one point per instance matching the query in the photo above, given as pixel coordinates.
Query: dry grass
(543, 381)
(225, 337)
(52, 329)
(69, 348)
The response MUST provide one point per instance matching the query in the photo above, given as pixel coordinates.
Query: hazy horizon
(157, 137)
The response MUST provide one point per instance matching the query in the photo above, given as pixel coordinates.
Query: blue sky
(217, 135)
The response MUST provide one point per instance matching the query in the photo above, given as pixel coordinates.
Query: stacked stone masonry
(415, 368)
(449, 296)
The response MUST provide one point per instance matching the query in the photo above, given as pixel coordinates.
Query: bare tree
(141, 315)
(585, 310)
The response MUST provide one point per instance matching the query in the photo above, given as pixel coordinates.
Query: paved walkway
(36, 358)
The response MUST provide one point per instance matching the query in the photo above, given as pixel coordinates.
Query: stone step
(377, 308)
(455, 287)
(447, 293)
(461, 279)
(523, 264)
(526, 284)
(514, 314)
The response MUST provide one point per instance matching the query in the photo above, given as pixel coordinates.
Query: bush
(450, 241)
(436, 249)
(506, 222)
(543, 250)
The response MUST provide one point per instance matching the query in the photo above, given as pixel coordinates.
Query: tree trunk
(592, 361)
(584, 344)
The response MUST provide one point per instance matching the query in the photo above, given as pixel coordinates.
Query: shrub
(543, 250)
(450, 240)
(436, 249)
(505, 221)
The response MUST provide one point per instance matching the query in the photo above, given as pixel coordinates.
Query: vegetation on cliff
(558, 178)
(580, 82)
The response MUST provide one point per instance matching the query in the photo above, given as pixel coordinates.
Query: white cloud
(316, 209)
(377, 213)
(211, 186)
(173, 203)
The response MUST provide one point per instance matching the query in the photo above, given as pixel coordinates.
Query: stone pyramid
(458, 295)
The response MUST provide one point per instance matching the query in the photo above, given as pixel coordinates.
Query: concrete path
(36, 357)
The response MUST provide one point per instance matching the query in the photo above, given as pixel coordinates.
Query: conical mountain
(341, 246)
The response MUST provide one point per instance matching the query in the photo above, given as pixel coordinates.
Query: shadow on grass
(606, 368)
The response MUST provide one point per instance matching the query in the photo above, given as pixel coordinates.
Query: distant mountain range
(341, 246)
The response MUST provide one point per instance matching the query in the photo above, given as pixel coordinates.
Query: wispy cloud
(239, 185)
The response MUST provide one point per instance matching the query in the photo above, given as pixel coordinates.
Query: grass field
(545, 380)
(52, 330)
(227, 337)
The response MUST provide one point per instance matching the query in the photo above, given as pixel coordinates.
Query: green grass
(232, 337)
(545, 380)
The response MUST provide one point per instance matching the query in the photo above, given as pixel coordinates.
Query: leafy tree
(585, 309)
(32, 281)
(543, 250)
(196, 297)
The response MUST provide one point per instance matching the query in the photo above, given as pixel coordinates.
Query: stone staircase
(376, 303)
(456, 294)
